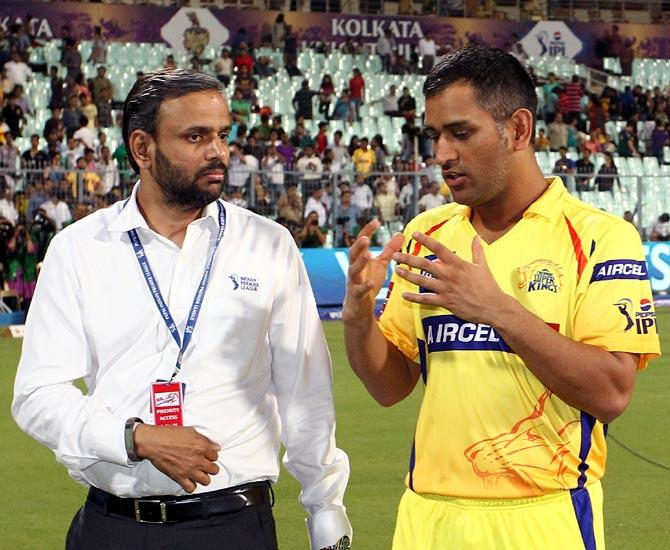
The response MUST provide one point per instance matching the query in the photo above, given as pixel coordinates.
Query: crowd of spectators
(321, 188)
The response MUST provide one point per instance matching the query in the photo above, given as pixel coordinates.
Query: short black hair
(140, 110)
(501, 84)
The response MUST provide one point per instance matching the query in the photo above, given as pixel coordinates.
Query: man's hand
(466, 289)
(366, 274)
(180, 452)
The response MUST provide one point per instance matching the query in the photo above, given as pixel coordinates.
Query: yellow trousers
(562, 521)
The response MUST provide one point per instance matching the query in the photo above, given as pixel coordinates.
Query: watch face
(344, 543)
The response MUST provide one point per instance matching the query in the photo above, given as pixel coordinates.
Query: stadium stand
(296, 141)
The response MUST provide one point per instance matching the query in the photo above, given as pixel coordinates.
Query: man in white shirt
(310, 166)
(432, 199)
(7, 208)
(427, 51)
(340, 151)
(57, 211)
(315, 204)
(107, 170)
(363, 195)
(384, 50)
(256, 373)
(17, 71)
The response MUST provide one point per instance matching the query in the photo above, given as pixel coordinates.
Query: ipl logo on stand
(552, 39)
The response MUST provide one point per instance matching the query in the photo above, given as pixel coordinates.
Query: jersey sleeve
(397, 318)
(614, 304)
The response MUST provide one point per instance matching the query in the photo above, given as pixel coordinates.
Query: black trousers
(252, 528)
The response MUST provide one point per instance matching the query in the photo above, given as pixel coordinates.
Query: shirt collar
(130, 217)
(544, 205)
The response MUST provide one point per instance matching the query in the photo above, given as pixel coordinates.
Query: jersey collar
(545, 204)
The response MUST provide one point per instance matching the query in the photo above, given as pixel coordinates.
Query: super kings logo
(540, 275)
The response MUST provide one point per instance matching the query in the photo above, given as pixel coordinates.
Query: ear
(141, 148)
(522, 129)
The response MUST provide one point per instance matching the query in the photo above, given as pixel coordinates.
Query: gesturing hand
(466, 289)
(366, 274)
(180, 452)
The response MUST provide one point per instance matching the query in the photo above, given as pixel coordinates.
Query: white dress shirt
(257, 371)
(58, 213)
(362, 196)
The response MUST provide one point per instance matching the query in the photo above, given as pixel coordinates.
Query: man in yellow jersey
(526, 313)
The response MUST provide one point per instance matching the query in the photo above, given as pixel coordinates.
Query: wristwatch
(343, 544)
(129, 439)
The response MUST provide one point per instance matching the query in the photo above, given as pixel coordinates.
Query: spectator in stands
(170, 62)
(594, 143)
(550, 97)
(340, 151)
(410, 134)
(72, 115)
(310, 168)
(357, 93)
(90, 111)
(573, 93)
(244, 58)
(57, 86)
(22, 101)
(386, 203)
(542, 142)
(36, 198)
(83, 182)
(291, 67)
(330, 164)
(348, 47)
(364, 158)
(316, 201)
(240, 107)
(564, 165)
(241, 38)
(607, 174)
(54, 145)
(101, 86)
(107, 171)
(326, 92)
(660, 231)
(9, 153)
(57, 211)
(263, 67)
(321, 140)
(380, 150)
(99, 47)
(72, 59)
(279, 32)
(34, 159)
(72, 152)
(585, 168)
(390, 102)
(300, 138)
(302, 101)
(342, 109)
(407, 104)
(363, 196)
(7, 208)
(659, 139)
(558, 133)
(6, 85)
(427, 52)
(18, 72)
(289, 205)
(345, 222)
(54, 174)
(13, 116)
(287, 150)
(384, 49)
(223, 66)
(85, 134)
(432, 199)
(312, 234)
(627, 146)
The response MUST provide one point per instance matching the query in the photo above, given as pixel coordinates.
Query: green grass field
(40, 499)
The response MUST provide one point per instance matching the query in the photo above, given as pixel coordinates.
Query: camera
(314, 222)
(341, 220)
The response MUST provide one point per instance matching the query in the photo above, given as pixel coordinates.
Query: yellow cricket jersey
(488, 428)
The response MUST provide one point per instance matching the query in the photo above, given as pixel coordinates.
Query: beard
(181, 189)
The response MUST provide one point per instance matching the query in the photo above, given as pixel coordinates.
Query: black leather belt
(170, 509)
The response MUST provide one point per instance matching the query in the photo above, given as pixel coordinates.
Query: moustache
(211, 167)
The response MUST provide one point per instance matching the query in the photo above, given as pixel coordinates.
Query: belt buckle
(155, 515)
